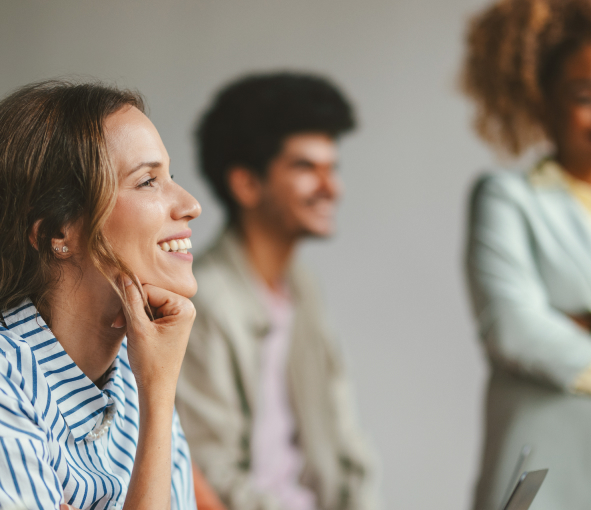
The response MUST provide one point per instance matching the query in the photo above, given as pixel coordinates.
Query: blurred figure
(528, 69)
(262, 394)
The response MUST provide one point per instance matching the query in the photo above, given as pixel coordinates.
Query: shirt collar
(80, 402)
(548, 174)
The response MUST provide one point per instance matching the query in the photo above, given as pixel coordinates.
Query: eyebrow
(148, 164)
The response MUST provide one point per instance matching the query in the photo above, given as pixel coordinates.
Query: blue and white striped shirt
(48, 407)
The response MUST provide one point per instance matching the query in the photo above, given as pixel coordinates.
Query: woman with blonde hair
(528, 70)
(94, 285)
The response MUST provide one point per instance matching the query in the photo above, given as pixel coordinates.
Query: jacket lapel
(241, 314)
(564, 215)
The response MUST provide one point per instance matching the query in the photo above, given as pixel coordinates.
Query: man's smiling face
(300, 191)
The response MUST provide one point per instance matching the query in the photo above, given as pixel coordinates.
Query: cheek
(133, 226)
(304, 185)
(580, 119)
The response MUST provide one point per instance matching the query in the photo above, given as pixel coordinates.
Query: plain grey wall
(392, 275)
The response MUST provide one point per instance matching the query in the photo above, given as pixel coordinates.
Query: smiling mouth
(176, 245)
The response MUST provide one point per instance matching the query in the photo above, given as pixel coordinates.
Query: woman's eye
(147, 183)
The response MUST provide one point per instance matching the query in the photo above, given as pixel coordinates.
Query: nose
(331, 183)
(185, 206)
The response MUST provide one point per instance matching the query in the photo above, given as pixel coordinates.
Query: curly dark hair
(250, 118)
(515, 51)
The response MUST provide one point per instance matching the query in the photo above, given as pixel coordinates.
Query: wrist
(156, 400)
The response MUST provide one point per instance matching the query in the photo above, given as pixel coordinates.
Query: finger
(166, 303)
(135, 311)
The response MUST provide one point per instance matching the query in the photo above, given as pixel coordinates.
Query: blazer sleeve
(521, 330)
(213, 413)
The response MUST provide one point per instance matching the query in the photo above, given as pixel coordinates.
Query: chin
(319, 232)
(186, 287)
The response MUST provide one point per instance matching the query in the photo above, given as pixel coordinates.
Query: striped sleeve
(183, 494)
(27, 479)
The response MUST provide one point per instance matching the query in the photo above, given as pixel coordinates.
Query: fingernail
(127, 281)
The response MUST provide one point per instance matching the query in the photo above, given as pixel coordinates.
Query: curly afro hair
(250, 118)
(515, 50)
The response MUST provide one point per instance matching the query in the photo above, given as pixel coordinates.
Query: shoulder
(304, 280)
(17, 360)
(210, 265)
(222, 273)
(502, 183)
(509, 191)
(19, 387)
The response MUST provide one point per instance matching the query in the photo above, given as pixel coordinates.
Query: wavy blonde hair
(55, 170)
(515, 50)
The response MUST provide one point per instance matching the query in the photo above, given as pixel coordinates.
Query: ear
(62, 246)
(33, 234)
(245, 186)
(67, 244)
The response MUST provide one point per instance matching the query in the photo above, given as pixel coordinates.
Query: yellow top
(581, 190)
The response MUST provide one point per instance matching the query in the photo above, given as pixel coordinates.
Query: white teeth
(176, 245)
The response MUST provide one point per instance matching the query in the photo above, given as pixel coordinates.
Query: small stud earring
(65, 249)
(55, 248)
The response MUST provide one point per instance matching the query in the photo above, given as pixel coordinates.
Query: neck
(269, 251)
(83, 307)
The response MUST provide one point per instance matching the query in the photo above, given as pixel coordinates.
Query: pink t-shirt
(276, 460)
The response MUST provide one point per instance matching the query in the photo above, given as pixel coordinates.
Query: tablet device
(526, 489)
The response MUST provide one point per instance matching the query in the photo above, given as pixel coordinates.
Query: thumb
(66, 507)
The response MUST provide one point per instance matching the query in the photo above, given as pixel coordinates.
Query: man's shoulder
(304, 281)
(214, 269)
(223, 282)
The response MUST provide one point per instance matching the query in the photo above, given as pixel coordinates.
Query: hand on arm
(583, 320)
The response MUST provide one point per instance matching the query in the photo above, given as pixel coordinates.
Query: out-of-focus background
(393, 274)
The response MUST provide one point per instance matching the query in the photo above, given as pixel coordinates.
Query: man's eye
(147, 183)
(303, 165)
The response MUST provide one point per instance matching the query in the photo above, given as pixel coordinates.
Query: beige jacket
(216, 393)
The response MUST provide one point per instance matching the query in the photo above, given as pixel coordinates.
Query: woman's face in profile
(149, 225)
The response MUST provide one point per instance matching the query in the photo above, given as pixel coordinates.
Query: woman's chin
(187, 288)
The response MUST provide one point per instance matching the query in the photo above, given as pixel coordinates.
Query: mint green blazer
(528, 265)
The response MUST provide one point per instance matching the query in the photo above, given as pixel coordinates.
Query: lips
(176, 245)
